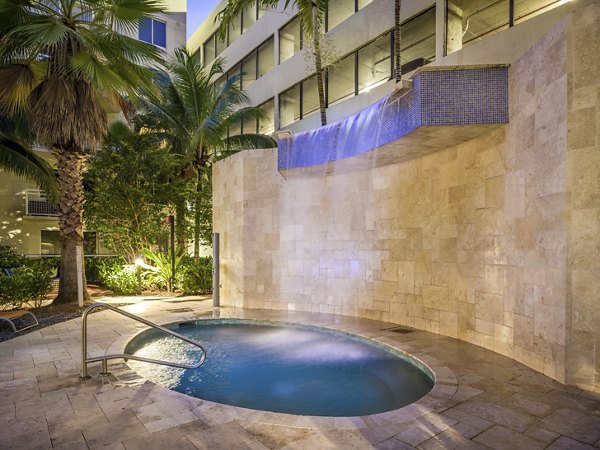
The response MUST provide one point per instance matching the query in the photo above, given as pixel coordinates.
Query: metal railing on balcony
(37, 204)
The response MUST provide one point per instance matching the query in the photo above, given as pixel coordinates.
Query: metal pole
(84, 371)
(172, 222)
(216, 261)
(79, 262)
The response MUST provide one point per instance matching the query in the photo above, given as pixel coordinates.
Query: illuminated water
(283, 368)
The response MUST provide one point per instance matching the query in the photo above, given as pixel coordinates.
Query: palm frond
(22, 161)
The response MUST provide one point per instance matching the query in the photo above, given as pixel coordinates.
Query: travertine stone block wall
(494, 241)
(583, 175)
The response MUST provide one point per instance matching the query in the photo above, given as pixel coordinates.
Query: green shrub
(29, 283)
(93, 265)
(9, 258)
(194, 275)
(119, 278)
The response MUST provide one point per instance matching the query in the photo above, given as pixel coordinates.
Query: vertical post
(79, 262)
(216, 299)
(172, 222)
(138, 274)
(84, 369)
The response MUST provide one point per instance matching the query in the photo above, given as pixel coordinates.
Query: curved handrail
(85, 360)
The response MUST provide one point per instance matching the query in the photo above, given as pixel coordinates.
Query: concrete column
(454, 28)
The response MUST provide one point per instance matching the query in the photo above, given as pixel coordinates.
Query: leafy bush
(194, 275)
(9, 258)
(93, 265)
(28, 283)
(118, 277)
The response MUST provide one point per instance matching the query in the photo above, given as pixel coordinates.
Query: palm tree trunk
(70, 163)
(318, 65)
(197, 215)
(397, 40)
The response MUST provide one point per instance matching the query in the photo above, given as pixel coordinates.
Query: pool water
(284, 368)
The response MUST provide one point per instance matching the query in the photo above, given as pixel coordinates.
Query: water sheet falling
(439, 97)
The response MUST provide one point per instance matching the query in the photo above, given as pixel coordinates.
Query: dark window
(153, 32)
(145, 31)
(159, 33)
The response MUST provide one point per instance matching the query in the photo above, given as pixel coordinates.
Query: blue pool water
(284, 368)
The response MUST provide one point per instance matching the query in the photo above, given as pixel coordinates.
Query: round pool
(282, 367)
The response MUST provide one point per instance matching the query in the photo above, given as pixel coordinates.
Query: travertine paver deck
(481, 399)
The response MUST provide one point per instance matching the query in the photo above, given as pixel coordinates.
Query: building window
(526, 9)
(289, 106)
(153, 31)
(235, 129)
(374, 63)
(267, 125)
(234, 29)
(338, 11)
(341, 80)
(249, 16)
(265, 57)
(418, 41)
(220, 83)
(290, 39)
(209, 50)
(469, 21)
(235, 71)
(310, 96)
(221, 45)
(257, 63)
(248, 70)
(197, 56)
(50, 242)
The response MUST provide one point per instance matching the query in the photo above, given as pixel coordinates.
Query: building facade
(270, 52)
(28, 222)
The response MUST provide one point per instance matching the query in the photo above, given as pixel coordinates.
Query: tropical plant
(312, 17)
(161, 273)
(193, 117)
(64, 63)
(17, 156)
(130, 183)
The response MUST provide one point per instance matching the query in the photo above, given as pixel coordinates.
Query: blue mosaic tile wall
(438, 97)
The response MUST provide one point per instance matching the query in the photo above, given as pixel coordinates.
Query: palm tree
(193, 116)
(312, 17)
(64, 63)
(17, 156)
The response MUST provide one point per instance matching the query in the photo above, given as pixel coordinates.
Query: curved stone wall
(493, 241)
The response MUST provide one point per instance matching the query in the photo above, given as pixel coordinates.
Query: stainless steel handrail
(85, 360)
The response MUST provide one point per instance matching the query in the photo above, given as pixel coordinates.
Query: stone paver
(481, 399)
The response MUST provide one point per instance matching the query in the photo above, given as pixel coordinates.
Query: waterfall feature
(440, 97)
